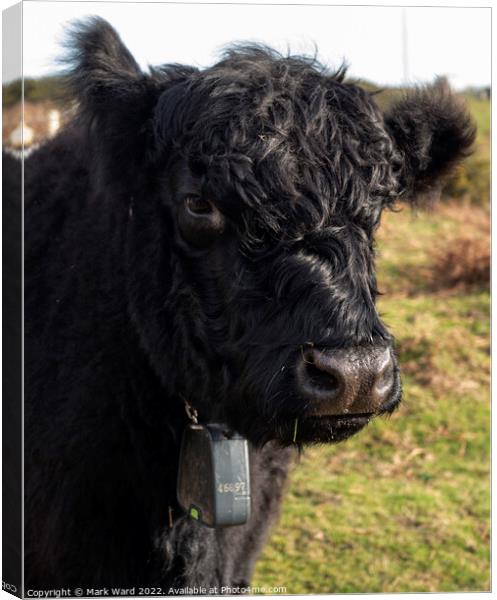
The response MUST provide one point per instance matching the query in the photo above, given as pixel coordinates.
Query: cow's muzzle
(346, 381)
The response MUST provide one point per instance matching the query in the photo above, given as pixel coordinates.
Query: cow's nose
(345, 381)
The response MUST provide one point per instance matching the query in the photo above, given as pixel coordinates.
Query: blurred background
(404, 506)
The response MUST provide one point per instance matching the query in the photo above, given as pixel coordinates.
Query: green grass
(480, 109)
(403, 506)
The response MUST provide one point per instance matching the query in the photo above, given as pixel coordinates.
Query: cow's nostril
(318, 379)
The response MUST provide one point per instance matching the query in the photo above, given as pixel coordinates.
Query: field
(405, 505)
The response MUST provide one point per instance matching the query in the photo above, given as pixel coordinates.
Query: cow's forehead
(275, 135)
(326, 126)
(282, 105)
(269, 168)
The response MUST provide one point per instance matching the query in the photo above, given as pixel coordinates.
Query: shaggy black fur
(186, 236)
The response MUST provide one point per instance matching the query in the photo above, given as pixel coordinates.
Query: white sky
(440, 41)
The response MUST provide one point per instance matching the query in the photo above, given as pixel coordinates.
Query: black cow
(203, 236)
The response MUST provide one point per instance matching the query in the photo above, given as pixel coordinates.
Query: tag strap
(191, 412)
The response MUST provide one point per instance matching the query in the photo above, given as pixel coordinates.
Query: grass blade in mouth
(295, 430)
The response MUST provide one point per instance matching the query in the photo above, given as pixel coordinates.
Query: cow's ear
(432, 131)
(115, 99)
(101, 70)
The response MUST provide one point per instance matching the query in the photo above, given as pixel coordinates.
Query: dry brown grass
(444, 249)
(461, 257)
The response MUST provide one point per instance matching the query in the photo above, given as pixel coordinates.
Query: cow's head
(253, 191)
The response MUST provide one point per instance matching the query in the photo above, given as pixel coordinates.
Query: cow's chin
(308, 430)
(321, 429)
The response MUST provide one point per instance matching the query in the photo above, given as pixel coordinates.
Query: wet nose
(345, 381)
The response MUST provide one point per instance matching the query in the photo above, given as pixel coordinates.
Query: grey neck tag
(214, 476)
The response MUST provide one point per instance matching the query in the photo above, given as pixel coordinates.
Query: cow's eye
(200, 221)
(199, 206)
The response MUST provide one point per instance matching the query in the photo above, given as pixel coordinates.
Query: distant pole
(405, 58)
